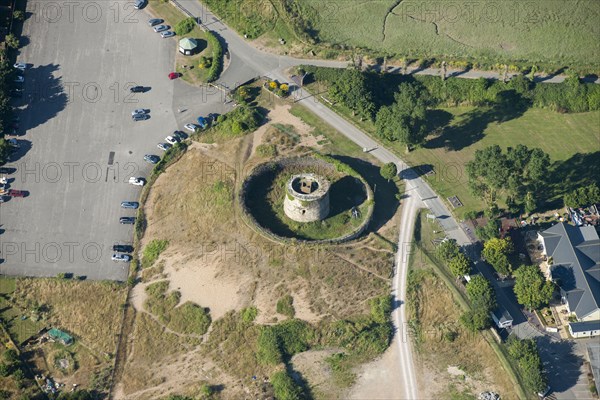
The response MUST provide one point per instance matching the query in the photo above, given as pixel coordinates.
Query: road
(246, 63)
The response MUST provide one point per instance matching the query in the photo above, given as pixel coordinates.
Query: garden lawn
(560, 135)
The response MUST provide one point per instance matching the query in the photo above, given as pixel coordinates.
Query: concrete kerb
(308, 161)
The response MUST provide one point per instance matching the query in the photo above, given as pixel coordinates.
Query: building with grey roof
(574, 255)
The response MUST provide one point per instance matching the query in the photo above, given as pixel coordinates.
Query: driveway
(79, 144)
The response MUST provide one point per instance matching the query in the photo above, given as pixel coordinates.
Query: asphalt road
(79, 144)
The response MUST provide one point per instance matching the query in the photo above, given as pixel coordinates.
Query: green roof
(57, 334)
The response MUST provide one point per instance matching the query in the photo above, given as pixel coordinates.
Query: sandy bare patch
(281, 115)
(202, 281)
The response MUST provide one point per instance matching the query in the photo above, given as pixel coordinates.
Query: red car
(16, 193)
(173, 75)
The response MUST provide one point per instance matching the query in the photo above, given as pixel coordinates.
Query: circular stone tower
(307, 198)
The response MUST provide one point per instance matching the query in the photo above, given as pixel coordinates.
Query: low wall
(322, 165)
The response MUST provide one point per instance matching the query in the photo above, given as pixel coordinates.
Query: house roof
(576, 262)
(585, 326)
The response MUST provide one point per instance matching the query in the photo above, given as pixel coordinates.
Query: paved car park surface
(79, 144)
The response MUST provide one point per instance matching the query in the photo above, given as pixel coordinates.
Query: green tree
(460, 265)
(351, 90)
(481, 294)
(447, 250)
(19, 15)
(530, 203)
(531, 288)
(514, 173)
(405, 119)
(185, 26)
(11, 41)
(496, 252)
(475, 320)
(489, 231)
(388, 171)
(4, 370)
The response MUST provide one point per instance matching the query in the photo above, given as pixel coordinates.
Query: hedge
(217, 56)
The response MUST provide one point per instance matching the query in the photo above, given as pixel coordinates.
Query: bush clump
(185, 26)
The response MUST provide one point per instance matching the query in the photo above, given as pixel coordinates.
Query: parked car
(16, 92)
(139, 4)
(122, 248)
(161, 28)
(140, 117)
(137, 89)
(130, 204)
(164, 146)
(19, 79)
(179, 135)
(155, 21)
(151, 158)
(13, 142)
(173, 75)
(21, 66)
(121, 257)
(127, 220)
(171, 140)
(16, 193)
(202, 122)
(140, 111)
(136, 181)
(167, 34)
(191, 127)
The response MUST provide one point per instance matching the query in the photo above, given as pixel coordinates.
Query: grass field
(542, 32)
(562, 136)
(538, 31)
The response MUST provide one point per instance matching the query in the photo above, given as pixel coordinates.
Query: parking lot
(78, 143)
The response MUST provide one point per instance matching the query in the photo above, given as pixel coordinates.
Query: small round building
(307, 198)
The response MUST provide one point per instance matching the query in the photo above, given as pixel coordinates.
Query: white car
(121, 257)
(138, 112)
(171, 140)
(19, 79)
(21, 66)
(136, 181)
(191, 127)
(164, 146)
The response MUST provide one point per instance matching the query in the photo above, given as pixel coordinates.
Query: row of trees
(7, 74)
(529, 363)
(403, 117)
(583, 196)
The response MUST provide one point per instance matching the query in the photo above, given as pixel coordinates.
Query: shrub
(249, 314)
(285, 306)
(266, 150)
(381, 307)
(185, 26)
(284, 387)
(152, 251)
(268, 352)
